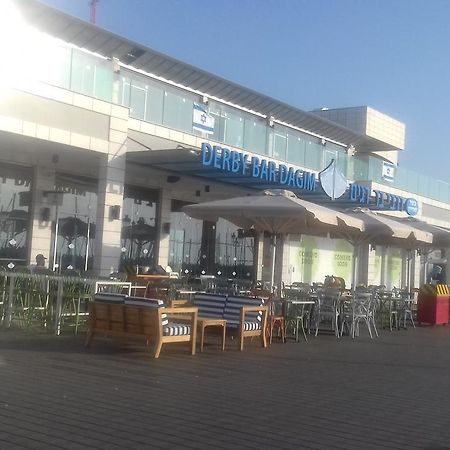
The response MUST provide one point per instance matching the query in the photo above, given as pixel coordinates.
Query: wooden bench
(140, 319)
(246, 315)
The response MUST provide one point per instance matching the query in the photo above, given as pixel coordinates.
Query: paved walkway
(390, 393)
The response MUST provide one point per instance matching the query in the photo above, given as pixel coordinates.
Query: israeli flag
(388, 171)
(201, 120)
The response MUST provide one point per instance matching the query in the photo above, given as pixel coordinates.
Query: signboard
(244, 164)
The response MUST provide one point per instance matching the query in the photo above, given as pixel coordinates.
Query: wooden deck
(390, 393)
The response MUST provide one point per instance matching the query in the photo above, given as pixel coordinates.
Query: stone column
(41, 223)
(110, 197)
(363, 265)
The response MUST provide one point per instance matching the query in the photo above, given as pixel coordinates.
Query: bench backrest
(211, 306)
(136, 315)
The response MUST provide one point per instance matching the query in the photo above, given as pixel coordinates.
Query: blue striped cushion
(233, 309)
(176, 329)
(104, 297)
(210, 305)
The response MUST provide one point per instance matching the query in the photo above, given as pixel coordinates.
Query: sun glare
(26, 52)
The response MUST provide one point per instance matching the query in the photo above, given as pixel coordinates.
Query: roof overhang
(95, 39)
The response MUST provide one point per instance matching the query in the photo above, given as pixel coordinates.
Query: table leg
(223, 336)
(202, 337)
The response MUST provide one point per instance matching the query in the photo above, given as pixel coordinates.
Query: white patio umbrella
(383, 230)
(277, 212)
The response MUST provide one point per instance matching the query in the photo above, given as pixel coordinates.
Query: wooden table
(203, 322)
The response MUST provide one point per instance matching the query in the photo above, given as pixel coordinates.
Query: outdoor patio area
(389, 392)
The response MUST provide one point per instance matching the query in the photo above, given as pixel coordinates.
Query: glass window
(185, 241)
(91, 76)
(103, 79)
(15, 201)
(255, 135)
(139, 228)
(280, 143)
(82, 79)
(234, 252)
(215, 109)
(75, 223)
(296, 147)
(138, 99)
(56, 66)
(313, 154)
(233, 127)
(178, 110)
(124, 91)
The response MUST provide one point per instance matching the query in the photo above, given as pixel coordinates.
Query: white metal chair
(361, 308)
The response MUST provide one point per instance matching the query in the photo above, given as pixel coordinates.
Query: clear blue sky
(393, 55)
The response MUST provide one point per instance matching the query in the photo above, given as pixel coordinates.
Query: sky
(392, 55)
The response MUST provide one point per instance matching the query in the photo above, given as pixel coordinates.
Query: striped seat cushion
(233, 310)
(210, 305)
(149, 303)
(176, 329)
(252, 325)
(105, 297)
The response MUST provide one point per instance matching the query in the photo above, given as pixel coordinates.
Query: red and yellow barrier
(433, 304)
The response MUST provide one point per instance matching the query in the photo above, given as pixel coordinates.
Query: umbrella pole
(86, 258)
(272, 278)
(56, 239)
(355, 266)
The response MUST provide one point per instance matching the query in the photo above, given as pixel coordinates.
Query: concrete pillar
(41, 226)
(110, 194)
(163, 221)
(383, 266)
(363, 265)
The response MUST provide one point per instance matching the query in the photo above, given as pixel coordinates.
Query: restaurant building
(103, 141)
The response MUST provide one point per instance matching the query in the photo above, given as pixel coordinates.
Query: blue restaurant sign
(242, 163)
(239, 163)
(382, 200)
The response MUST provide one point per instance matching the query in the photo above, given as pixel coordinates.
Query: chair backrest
(233, 309)
(328, 299)
(210, 305)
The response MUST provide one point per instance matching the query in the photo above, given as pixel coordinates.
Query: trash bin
(433, 304)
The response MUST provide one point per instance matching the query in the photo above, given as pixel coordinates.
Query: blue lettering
(299, 178)
(207, 154)
(226, 159)
(235, 159)
(282, 171)
(310, 181)
(378, 198)
(272, 171)
(216, 157)
(263, 173)
(255, 167)
(353, 192)
(290, 177)
(244, 164)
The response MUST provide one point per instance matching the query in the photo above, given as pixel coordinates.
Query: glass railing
(156, 102)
